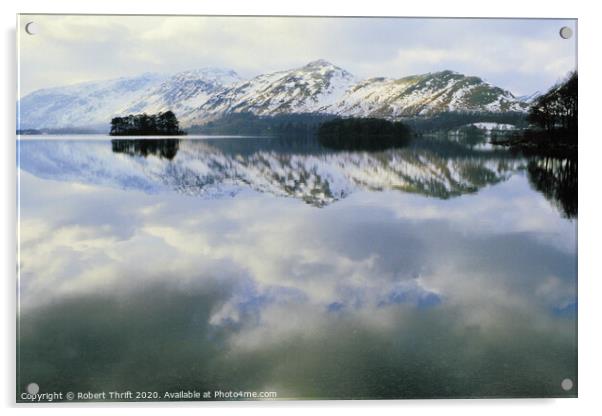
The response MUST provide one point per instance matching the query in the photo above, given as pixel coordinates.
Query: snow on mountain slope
(94, 104)
(307, 89)
(90, 104)
(184, 91)
(423, 95)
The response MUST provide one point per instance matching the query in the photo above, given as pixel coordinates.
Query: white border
(590, 150)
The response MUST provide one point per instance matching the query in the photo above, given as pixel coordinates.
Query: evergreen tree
(556, 110)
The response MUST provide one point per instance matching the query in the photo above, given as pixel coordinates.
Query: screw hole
(566, 32)
(33, 388)
(567, 384)
(31, 28)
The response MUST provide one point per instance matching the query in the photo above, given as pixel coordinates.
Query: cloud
(522, 55)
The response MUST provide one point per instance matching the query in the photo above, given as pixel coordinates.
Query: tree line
(304, 124)
(556, 110)
(363, 134)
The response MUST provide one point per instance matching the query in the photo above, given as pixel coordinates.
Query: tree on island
(556, 110)
(161, 124)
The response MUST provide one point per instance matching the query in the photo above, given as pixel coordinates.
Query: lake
(442, 269)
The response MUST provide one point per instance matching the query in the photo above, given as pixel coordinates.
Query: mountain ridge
(204, 94)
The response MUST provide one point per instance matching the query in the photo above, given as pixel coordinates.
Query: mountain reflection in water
(295, 167)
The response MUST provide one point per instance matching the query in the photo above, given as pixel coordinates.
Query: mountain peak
(449, 74)
(446, 72)
(323, 67)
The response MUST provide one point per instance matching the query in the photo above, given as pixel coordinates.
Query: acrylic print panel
(261, 208)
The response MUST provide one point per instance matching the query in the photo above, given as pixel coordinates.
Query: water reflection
(300, 169)
(438, 272)
(556, 179)
(166, 148)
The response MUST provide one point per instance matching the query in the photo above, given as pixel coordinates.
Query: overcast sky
(523, 56)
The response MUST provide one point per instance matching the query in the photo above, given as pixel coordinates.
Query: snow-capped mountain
(202, 95)
(94, 104)
(90, 104)
(308, 89)
(423, 95)
(321, 87)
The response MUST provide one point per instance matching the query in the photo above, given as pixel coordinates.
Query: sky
(521, 55)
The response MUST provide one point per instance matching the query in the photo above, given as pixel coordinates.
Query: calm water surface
(443, 269)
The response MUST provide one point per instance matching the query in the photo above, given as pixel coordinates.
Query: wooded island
(161, 124)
